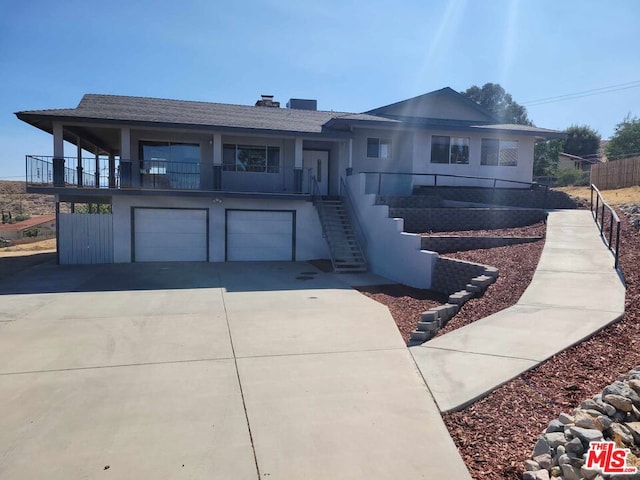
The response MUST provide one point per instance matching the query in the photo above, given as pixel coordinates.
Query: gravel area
(516, 265)
(496, 434)
(535, 230)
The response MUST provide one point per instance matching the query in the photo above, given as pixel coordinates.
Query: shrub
(571, 176)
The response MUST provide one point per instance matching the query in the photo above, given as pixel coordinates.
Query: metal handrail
(435, 176)
(598, 212)
(316, 199)
(353, 214)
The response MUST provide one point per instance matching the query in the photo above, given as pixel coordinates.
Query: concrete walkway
(574, 293)
(230, 371)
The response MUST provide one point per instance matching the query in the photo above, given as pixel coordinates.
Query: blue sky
(349, 55)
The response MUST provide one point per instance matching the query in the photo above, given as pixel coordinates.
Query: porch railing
(101, 173)
(607, 221)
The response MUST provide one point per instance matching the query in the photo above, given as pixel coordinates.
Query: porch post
(58, 155)
(112, 171)
(217, 161)
(126, 168)
(97, 174)
(350, 157)
(79, 173)
(297, 167)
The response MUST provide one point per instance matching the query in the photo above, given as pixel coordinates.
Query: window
(250, 158)
(449, 149)
(378, 148)
(170, 152)
(499, 152)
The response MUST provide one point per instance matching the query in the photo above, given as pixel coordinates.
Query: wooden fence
(616, 173)
(85, 238)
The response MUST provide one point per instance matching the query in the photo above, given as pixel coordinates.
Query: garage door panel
(259, 235)
(163, 235)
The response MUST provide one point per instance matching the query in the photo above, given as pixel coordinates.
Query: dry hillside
(15, 199)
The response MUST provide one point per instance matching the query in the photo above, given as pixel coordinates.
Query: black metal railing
(607, 223)
(486, 182)
(40, 171)
(103, 173)
(162, 174)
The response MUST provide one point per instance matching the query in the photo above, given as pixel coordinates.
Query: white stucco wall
(401, 160)
(309, 241)
(390, 252)
(522, 172)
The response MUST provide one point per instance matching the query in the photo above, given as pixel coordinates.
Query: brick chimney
(267, 101)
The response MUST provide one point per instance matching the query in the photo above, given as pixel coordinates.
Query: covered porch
(189, 160)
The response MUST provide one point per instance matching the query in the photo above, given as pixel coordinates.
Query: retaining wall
(514, 197)
(454, 219)
(448, 244)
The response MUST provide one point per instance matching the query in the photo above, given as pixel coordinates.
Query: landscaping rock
(585, 420)
(575, 446)
(531, 466)
(555, 439)
(555, 426)
(612, 415)
(622, 389)
(621, 403)
(565, 419)
(537, 475)
(545, 461)
(587, 435)
(569, 472)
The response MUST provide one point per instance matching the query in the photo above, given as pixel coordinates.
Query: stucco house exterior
(197, 181)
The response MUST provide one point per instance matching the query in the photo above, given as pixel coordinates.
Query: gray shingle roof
(162, 111)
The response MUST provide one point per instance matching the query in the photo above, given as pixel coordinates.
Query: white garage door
(170, 235)
(259, 235)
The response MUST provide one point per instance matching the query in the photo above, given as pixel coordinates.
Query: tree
(495, 99)
(581, 141)
(545, 157)
(626, 139)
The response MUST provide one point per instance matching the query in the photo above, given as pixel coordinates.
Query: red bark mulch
(496, 434)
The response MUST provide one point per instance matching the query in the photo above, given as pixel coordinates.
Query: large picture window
(446, 149)
(250, 158)
(499, 152)
(170, 165)
(378, 148)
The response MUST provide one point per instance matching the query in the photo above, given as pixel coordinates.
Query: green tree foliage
(494, 98)
(545, 157)
(626, 139)
(581, 141)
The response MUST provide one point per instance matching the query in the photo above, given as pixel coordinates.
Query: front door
(315, 163)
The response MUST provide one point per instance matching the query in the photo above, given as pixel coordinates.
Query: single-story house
(566, 160)
(198, 181)
(33, 229)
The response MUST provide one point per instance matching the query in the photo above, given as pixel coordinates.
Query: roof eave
(45, 122)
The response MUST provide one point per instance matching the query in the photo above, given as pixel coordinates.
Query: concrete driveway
(223, 371)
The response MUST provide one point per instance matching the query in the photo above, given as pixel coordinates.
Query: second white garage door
(260, 235)
(170, 235)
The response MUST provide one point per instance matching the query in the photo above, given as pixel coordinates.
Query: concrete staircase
(346, 252)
